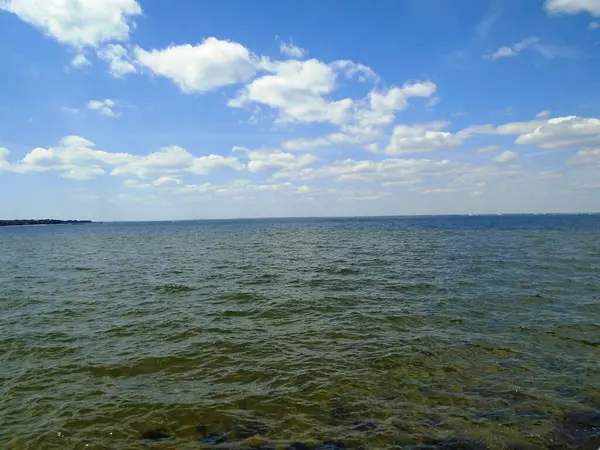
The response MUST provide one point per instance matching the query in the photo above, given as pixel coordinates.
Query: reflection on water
(364, 333)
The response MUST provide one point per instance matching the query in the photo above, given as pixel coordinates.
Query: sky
(159, 110)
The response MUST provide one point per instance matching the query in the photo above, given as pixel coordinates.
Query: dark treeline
(5, 223)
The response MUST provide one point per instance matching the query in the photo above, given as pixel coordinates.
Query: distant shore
(8, 223)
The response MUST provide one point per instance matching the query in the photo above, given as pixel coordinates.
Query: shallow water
(479, 328)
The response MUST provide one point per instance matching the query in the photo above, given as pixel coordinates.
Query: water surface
(479, 328)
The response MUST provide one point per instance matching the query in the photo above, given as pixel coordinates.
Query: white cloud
(80, 61)
(378, 110)
(104, 107)
(589, 156)
(423, 138)
(506, 156)
(291, 50)
(351, 69)
(118, 58)
(573, 7)
(174, 160)
(296, 90)
(506, 52)
(203, 67)
(393, 170)
(383, 105)
(594, 25)
(76, 158)
(78, 23)
(560, 132)
(438, 191)
(277, 163)
(542, 114)
(548, 51)
(167, 181)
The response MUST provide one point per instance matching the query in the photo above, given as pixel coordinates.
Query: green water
(488, 333)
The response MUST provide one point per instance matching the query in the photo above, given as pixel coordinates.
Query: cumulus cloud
(382, 105)
(104, 107)
(75, 157)
(118, 58)
(278, 164)
(377, 111)
(506, 156)
(291, 50)
(296, 89)
(172, 161)
(559, 132)
(422, 138)
(78, 23)
(203, 67)
(573, 7)
(79, 61)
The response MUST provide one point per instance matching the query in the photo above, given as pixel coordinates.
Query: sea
(447, 332)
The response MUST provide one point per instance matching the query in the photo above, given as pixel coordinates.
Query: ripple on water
(319, 335)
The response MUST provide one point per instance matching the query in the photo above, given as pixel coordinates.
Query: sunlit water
(478, 328)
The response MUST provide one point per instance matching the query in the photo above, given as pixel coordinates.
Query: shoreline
(22, 222)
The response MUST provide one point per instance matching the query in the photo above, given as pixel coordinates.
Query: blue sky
(139, 110)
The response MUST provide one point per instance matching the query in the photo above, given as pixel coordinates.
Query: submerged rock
(298, 446)
(154, 435)
(214, 438)
(580, 429)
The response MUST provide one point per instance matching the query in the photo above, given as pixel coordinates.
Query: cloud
(104, 107)
(506, 52)
(383, 105)
(594, 25)
(118, 58)
(203, 67)
(350, 69)
(291, 50)
(555, 133)
(587, 156)
(378, 110)
(438, 191)
(278, 164)
(573, 7)
(296, 90)
(506, 156)
(560, 132)
(422, 138)
(534, 44)
(488, 149)
(167, 181)
(78, 23)
(80, 61)
(542, 114)
(393, 170)
(174, 161)
(76, 158)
